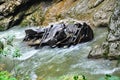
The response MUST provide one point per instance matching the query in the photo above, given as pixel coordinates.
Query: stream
(51, 63)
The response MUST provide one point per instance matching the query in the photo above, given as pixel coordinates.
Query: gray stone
(40, 12)
(113, 39)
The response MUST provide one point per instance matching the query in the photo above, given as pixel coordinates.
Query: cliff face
(111, 48)
(42, 12)
(12, 12)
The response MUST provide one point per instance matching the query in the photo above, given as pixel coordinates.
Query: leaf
(16, 53)
(4, 75)
(10, 39)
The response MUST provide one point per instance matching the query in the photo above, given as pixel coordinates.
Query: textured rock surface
(1, 46)
(43, 12)
(12, 12)
(111, 48)
(97, 12)
(59, 35)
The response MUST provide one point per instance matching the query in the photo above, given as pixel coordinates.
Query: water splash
(54, 62)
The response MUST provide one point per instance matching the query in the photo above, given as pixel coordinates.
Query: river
(51, 63)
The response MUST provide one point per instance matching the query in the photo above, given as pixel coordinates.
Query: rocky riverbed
(102, 49)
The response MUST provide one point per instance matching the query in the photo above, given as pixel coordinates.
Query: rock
(43, 12)
(12, 12)
(2, 67)
(1, 46)
(99, 51)
(97, 12)
(112, 49)
(7, 13)
(59, 35)
(2, 1)
(98, 2)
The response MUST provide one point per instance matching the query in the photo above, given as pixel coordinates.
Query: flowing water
(51, 63)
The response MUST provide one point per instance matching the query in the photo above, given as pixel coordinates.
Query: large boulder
(60, 35)
(111, 48)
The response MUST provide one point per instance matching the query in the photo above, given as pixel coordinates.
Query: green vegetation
(16, 53)
(109, 77)
(1, 28)
(1, 46)
(9, 48)
(4, 75)
(81, 77)
(75, 77)
(118, 61)
(9, 39)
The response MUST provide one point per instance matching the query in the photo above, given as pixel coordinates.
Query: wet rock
(98, 2)
(2, 1)
(59, 35)
(113, 40)
(95, 53)
(1, 46)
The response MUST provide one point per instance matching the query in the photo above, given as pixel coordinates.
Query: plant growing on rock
(4, 75)
(75, 77)
(9, 49)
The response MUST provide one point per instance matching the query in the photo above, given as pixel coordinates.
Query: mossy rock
(2, 28)
(4, 75)
(1, 45)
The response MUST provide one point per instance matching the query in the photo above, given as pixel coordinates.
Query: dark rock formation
(111, 48)
(8, 11)
(12, 12)
(59, 35)
(1, 46)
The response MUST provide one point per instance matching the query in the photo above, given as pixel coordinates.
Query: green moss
(1, 45)
(2, 28)
(58, 17)
(24, 23)
(106, 51)
(42, 19)
(105, 54)
(118, 61)
(4, 75)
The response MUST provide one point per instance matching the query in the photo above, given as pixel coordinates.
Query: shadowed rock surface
(59, 35)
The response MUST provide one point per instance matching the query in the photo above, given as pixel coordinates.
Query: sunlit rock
(43, 12)
(112, 49)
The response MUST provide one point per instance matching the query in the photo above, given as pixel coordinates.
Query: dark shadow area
(21, 10)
